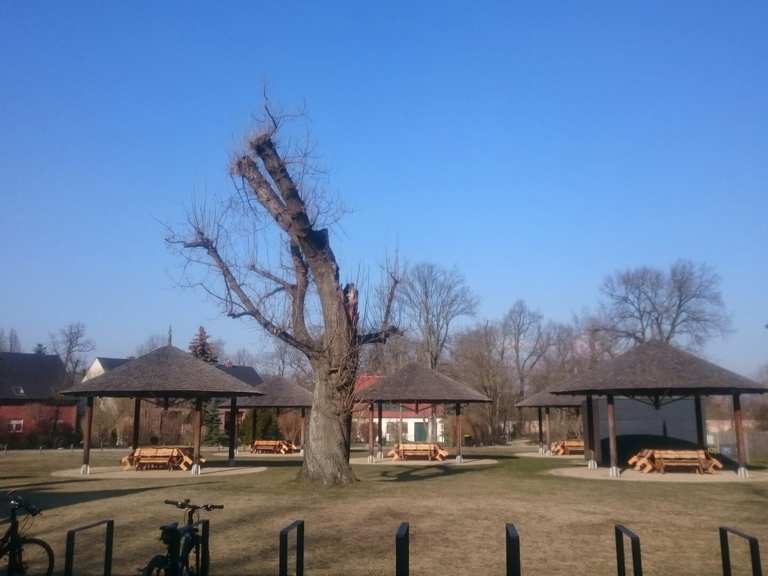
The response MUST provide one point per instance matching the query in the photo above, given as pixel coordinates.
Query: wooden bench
(159, 457)
(643, 461)
(426, 450)
(658, 460)
(273, 447)
(567, 447)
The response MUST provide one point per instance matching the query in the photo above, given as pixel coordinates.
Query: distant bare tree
(71, 344)
(528, 339)
(3, 341)
(14, 342)
(151, 343)
(299, 299)
(434, 299)
(386, 311)
(682, 305)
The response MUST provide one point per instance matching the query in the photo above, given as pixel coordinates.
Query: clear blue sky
(536, 148)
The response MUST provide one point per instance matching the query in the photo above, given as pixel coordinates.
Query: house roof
(245, 373)
(417, 383)
(278, 393)
(111, 363)
(546, 399)
(26, 377)
(659, 369)
(164, 372)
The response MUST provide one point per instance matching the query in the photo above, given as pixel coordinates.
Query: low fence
(199, 554)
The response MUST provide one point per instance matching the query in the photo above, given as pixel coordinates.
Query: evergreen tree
(201, 348)
(40, 349)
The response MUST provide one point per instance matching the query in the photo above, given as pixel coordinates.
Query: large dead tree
(301, 301)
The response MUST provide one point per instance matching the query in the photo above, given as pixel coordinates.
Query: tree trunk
(326, 457)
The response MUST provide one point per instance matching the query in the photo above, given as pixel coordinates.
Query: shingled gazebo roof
(546, 399)
(417, 383)
(164, 372)
(278, 393)
(659, 369)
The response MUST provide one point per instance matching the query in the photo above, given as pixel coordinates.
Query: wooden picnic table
(567, 447)
(273, 447)
(660, 459)
(428, 450)
(159, 457)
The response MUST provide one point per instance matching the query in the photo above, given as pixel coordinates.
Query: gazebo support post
(739, 428)
(253, 425)
(614, 472)
(541, 431)
(548, 427)
(232, 430)
(459, 437)
(400, 430)
(197, 429)
(136, 423)
(700, 439)
(85, 469)
(370, 433)
(381, 430)
(432, 424)
(301, 436)
(589, 428)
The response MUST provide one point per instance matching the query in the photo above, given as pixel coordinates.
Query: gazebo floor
(117, 473)
(363, 461)
(584, 473)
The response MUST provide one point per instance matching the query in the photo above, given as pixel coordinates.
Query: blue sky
(537, 148)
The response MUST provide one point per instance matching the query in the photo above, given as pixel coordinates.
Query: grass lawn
(457, 517)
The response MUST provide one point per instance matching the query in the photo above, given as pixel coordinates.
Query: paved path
(363, 461)
(117, 473)
(584, 473)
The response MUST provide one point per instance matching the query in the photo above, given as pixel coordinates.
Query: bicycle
(26, 556)
(181, 543)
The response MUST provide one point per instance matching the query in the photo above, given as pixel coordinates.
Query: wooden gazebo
(417, 384)
(545, 400)
(164, 373)
(660, 373)
(278, 392)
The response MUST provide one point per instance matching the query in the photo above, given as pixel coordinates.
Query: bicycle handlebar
(187, 505)
(19, 502)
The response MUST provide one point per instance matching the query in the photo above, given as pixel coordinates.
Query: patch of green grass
(457, 516)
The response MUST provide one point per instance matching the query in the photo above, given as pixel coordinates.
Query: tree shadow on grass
(415, 474)
(48, 500)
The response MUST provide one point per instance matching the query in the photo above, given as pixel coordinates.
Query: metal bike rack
(637, 563)
(725, 550)
(513, 551)
(298, 525)
(109, 538)
(402, 550)
(205, 554)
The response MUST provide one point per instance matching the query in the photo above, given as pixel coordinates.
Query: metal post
(232, 430)
(637, 562)
(739, 428)
(459, 437)
(725, 551)
(402, 550)
(136, 423)
(69, 553)
(197, 425)
(548, 428)
(85, 469)
(590, 431)
(381, 430)
(700, 438)
(614, 472)
(282, 569)
(513, 551)
(370, 433)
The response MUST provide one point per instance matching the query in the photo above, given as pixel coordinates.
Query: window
(19, 391)
(16, 426)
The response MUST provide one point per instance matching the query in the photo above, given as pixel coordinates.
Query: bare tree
(14, 342)
(151, 343)
(71, 344)
(3, 341)
(300, 300)
(434, 299)
(682, 305)
(528, 339)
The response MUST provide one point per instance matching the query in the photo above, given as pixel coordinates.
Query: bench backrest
(678, 454)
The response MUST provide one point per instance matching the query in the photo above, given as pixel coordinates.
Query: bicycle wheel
(158, 566)
(36, 558)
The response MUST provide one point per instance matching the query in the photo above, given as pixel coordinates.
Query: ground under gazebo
(165, 373)
(421, 386)
(545, 400)
(657, 373)
(279, 393)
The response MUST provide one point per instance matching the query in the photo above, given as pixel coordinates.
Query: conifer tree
(202, 349)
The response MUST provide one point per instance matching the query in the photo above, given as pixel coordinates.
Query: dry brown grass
(457, 517)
